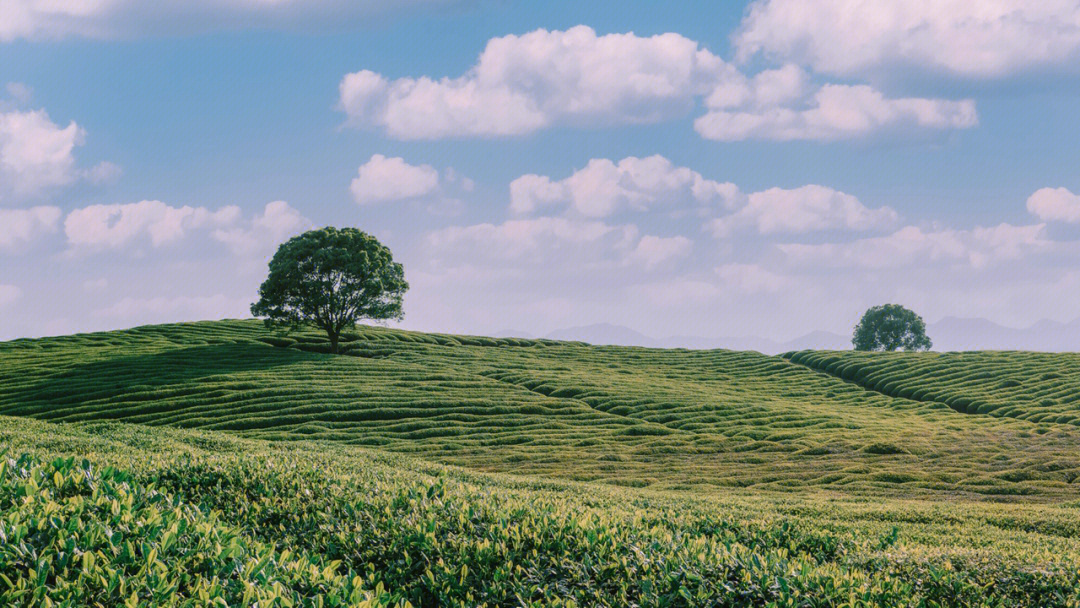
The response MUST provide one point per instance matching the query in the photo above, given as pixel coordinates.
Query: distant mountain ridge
(952, 333)
(608, 333)
(948, 334)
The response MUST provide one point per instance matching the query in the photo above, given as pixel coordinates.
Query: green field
(195, 462)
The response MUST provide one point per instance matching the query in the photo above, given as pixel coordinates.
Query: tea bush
(159, 517)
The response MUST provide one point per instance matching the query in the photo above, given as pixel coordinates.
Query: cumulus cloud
(116, 225)
(383, 179)
(652, 251)
(8, 294)
(103, 173)
(1055, 205)
(524, 83)
(781, 105)
(961, 37)
(521, 84)
(551, 245)
(21, 226)
(262, 233)
(804, 209)
(514, 238)
(604, 187)
(44, 19)
(35, 153)
(911, 245)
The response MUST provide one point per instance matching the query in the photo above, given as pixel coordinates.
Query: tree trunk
(333, 335)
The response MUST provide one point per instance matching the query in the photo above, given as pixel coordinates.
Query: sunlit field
(191, 462)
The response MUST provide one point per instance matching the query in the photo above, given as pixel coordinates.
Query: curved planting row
(1038, 387)
(627, 416)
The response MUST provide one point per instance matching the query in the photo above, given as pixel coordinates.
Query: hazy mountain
(604, 333)
(607, 333)
(511, 333)
(818, 340)
(950, 333)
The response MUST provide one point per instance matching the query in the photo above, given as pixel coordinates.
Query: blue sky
(709, 169)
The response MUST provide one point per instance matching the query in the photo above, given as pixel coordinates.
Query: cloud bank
(982, 39)
(522, 84)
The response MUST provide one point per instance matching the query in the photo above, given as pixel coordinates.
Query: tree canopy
(331, 278)
(890, 327)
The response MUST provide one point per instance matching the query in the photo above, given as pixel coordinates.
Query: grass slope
(667, 419)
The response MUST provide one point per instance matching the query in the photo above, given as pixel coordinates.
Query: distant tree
(889, 327)
(331, 278)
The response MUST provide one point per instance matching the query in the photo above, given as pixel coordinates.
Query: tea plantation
(220, 464)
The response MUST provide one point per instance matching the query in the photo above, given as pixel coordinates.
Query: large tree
(889, 327)
(331, 278)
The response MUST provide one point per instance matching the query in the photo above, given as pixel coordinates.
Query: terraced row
(1038, 387)
(631, 416)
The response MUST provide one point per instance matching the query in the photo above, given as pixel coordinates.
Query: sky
(764, 168)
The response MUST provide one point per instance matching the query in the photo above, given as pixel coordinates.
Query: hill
(669, 419)
(218, 463)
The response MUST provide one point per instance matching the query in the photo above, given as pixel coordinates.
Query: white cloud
(982, 39)
(521, 84)
(524, 83)
(749, 278)
(652, 251)
(116, 225)
(383, 179)
(35, 153)
(178, 308)
(909, 246)
(103, 172)
(548, 245)
(263, 233)
(8, 294)
(21, 226)
(833, 111)
(513, 238)
(1055, 205)
(604, 188)
(50, 19)
(804, 209)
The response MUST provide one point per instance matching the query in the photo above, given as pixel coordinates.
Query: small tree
(890, 327)
(331, 278)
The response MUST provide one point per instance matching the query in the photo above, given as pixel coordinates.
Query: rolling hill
(221, 462)
(622, 415)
